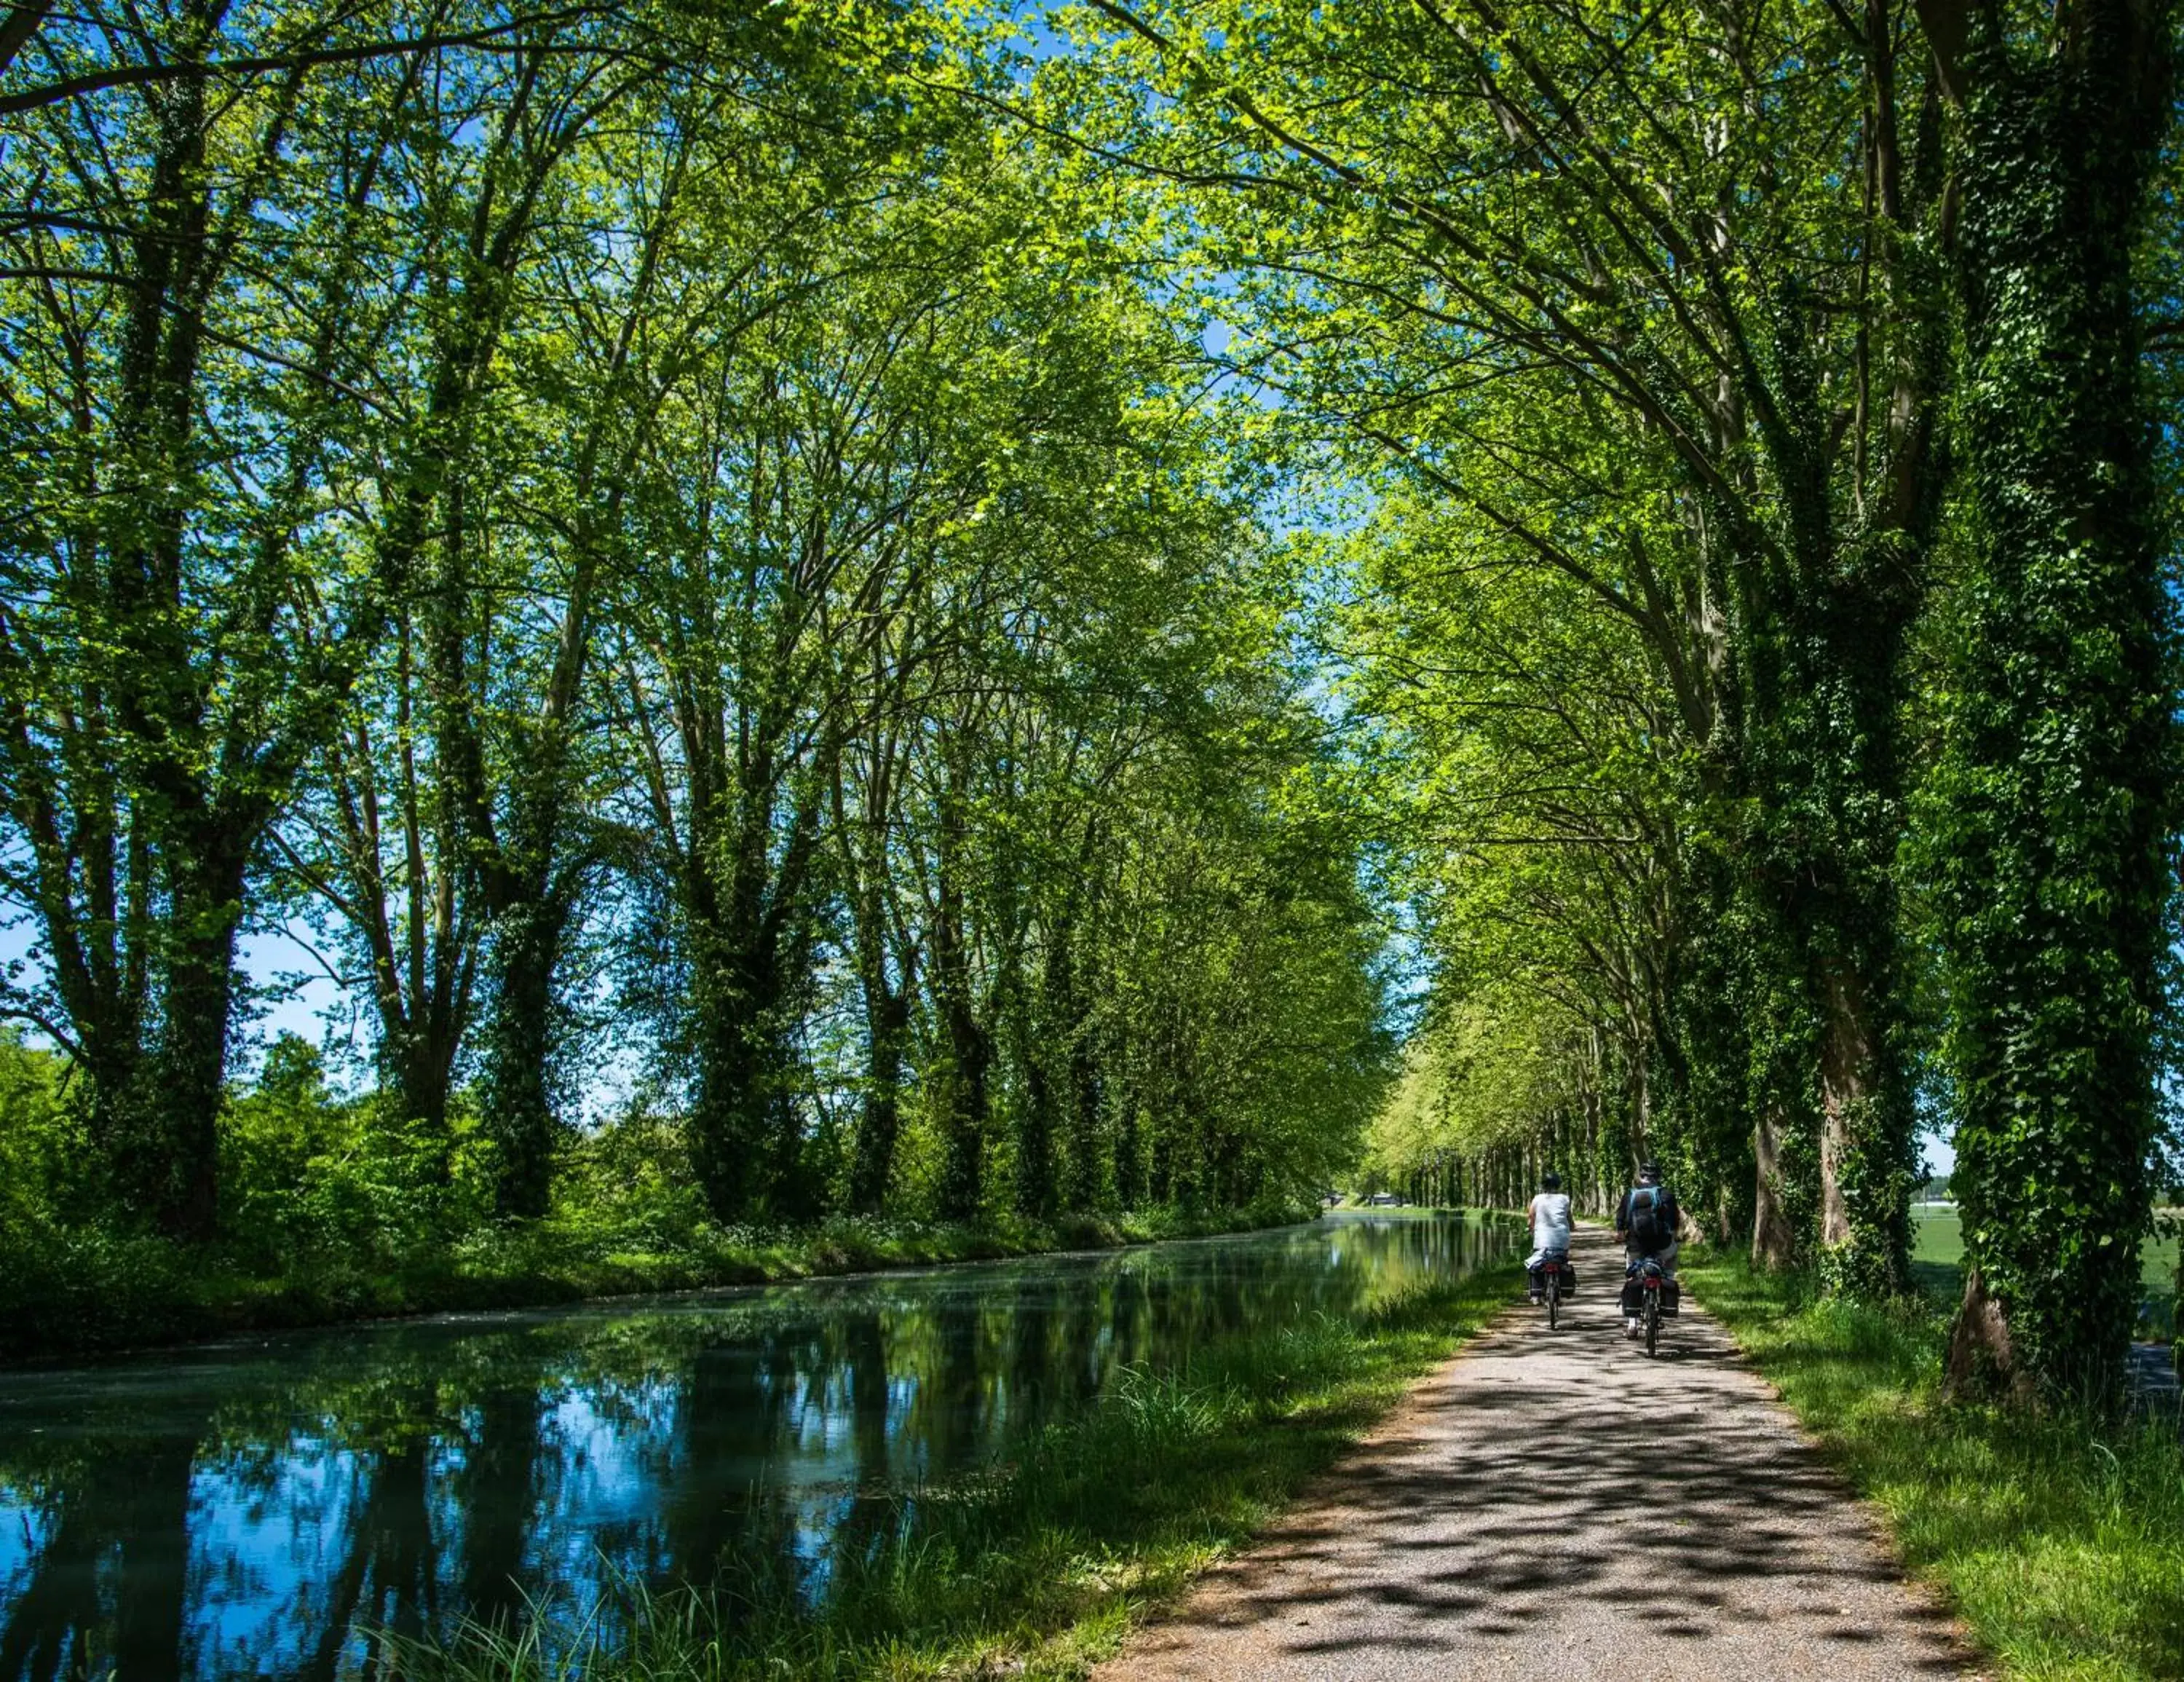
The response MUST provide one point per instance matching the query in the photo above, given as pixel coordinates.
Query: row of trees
(1770, 650)
(670, 542)
(707, 530)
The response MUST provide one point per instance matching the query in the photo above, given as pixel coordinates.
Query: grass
(1938, 1252)
(73, 1293)
(2059, 1539)
(1038, 1567)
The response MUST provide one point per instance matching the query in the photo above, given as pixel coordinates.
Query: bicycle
(1548, 1285)
(1651, 1289)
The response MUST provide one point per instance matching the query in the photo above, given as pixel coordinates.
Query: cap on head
(1649, 1170)
(1551, 1182)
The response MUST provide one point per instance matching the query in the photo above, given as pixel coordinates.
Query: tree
(1466, 282)
(2052, 813)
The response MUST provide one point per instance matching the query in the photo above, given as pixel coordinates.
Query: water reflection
(252, 1509)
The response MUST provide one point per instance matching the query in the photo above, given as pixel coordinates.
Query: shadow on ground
(1560, 1501)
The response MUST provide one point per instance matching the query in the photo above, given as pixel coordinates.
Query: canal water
(254, 1508)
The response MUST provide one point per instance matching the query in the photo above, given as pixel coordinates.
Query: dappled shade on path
(1555, 1504)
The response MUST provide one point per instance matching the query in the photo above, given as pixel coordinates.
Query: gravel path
(1522, 1516)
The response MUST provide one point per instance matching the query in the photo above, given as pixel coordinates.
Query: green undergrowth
(1034, 1568)
(2060, 1538)
(80, 1292)
(332, 1208)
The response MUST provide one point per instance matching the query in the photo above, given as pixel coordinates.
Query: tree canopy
(963, 601)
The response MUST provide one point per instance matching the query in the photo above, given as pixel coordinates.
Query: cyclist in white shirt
(1551, 1225)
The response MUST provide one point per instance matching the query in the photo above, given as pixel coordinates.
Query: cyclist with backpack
(1646, 1220)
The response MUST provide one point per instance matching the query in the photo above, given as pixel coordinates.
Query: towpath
(1555, 1506)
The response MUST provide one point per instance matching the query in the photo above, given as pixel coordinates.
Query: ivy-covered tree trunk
(519, 1054)
(163, 1155)
(1088, 1176)
(1773, 1238)
(1869, 1149)
(747, 983)
(532, 876)
(1845, 1005)
(749, 953)
(1037, 1128)
(176, 1170)
(735, 1110)
(1072, 1038)
(1824, 621)
(967, 1056)
(531, 898)
(887, 987)
(1060, 1101)
(2051, 819)
(887, 1028)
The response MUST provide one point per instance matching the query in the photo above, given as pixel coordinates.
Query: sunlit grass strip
(1038, 1567)
(2060, 1540)
(1938, 1253)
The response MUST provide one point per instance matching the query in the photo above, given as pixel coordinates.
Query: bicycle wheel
(1653, 1321)
(1554, 1297)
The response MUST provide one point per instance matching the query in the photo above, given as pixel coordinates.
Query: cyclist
(1551, 1226)
(1645, 1220)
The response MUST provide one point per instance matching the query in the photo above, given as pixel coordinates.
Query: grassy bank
(1036, 1568)
(2061, 1541)
(71, 1294)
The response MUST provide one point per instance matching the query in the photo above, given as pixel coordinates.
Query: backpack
(1653, 1218)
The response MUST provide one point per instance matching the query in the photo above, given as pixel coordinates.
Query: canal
(258, 1507)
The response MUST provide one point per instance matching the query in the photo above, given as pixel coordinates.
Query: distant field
(1938, 1252)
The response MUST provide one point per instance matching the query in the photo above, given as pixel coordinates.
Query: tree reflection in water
(264, 1511)
(110, 1583)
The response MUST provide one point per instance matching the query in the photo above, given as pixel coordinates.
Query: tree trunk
(1047, 1050)
(887, 1027)
(1035, 1131)
(421, 1076)
(964, 1081)
(1130, 1151)
(1981, 1363)
(519, 1055)
(2053, 838)
(1087, 1175)
(1774, 1236)
(1844, 1056)
(1867, 1146)
(176, 1166)
(967, 1054)
(735, 1117)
